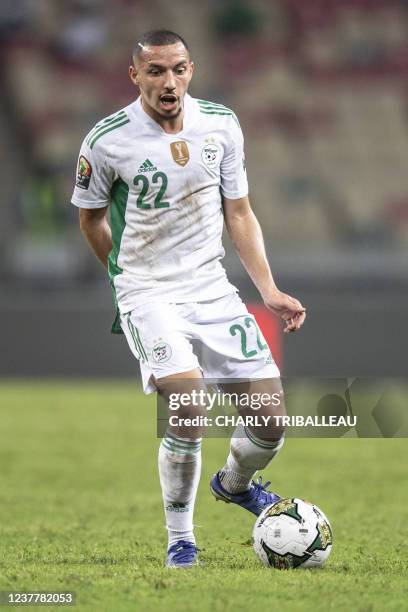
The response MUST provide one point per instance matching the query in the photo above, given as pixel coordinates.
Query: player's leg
(180, 464)
(236, 349)
(253, 446)
(156, 336)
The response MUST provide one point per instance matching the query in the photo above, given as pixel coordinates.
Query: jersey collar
(188, 118)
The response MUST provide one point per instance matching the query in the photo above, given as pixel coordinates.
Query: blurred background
(320, 88)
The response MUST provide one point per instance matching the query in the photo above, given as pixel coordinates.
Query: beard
(172, 115)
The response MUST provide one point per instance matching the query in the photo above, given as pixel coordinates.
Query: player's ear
(133, 75)
(192, 69)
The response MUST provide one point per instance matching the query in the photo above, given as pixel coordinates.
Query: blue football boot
(256, 499)
(182, 554)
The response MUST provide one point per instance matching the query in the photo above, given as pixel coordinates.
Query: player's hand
(287, 308)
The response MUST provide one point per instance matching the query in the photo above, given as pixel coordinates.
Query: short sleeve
(94, 178)
(234, 182)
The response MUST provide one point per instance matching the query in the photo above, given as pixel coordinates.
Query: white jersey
(164, 192)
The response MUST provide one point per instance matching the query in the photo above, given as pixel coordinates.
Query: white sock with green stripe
(247, 455)
(179, 470)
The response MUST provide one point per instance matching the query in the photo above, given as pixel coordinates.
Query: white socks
(179, 470)
(247, 455)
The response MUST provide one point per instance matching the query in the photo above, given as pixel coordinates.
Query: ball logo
(211, 155)
(161, 352)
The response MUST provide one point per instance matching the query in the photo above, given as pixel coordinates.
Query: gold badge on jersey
(180, 152)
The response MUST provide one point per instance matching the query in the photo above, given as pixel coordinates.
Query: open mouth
(168, 101)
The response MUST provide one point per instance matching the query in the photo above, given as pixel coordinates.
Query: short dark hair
(158, 38)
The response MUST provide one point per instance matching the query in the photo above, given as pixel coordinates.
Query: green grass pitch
(81, 510)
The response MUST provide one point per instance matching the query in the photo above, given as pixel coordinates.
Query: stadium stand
(319, 86)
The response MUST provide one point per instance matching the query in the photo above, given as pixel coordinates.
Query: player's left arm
(246, 235)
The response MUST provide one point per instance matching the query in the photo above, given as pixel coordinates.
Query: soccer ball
(292, 533)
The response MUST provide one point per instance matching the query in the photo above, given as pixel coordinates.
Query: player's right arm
(96, 229)
(92, 196)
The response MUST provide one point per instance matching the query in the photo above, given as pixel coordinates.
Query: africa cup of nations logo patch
(161, 352)
(180, 152)
(84, 173)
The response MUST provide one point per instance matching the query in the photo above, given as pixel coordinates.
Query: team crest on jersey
(180, 152)
(161, 352)
(211, 155)
(84, 173)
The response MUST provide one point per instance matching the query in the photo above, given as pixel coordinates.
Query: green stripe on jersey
(211, 108)
(110, 119)
(205, 103)
(109, 128)
(104, 124)
(216, 112)
(220, 113)
(119, 199)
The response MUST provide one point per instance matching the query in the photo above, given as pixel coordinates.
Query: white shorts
(219, 336)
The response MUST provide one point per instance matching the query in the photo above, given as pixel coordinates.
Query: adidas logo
(178, 507)
(147, 166)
